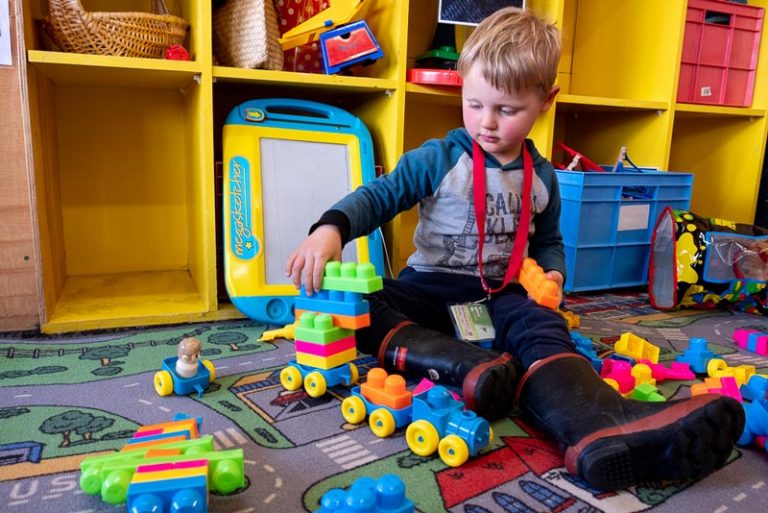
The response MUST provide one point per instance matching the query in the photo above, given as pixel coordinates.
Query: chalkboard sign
(472, 12)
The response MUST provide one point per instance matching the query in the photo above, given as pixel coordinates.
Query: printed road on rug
(69, 397)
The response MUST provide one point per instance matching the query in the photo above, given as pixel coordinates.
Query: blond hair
(516, 51)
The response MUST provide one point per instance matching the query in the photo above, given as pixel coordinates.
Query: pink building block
(741, 336)
(619, 371)
(676, 370)
(751, 340)
(302, 346)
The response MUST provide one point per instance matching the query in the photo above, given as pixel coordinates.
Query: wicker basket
(128, 34)
(245, 35)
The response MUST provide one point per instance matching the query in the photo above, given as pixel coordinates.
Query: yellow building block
(326, 362)
(636, 347)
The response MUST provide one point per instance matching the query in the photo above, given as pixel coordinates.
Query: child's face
(500, 121)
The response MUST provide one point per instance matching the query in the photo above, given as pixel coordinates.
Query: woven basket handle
(159, 7)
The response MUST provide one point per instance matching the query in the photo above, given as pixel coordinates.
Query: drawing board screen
(300, 180)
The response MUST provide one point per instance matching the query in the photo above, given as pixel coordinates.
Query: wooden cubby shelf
(125, 149)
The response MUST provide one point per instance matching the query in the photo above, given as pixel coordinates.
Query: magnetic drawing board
(285, 163)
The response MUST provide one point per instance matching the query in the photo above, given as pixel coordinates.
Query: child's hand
(557, 277)
(307, 263)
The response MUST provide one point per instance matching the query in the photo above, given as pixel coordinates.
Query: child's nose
(488, 120)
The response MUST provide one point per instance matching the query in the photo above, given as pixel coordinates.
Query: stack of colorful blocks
(159, 434)
(752, 340)
(325, 335)
(325, 332)
(163, 464)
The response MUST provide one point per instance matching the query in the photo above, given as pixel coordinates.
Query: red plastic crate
(720, 50)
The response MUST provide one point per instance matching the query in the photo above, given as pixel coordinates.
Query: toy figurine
(186, 372)
(188, 352)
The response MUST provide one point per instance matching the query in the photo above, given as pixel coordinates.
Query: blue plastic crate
(607, 220)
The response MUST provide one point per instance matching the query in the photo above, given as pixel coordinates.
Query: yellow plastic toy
(338, 13)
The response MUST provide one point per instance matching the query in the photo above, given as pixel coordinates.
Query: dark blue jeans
(524, 329)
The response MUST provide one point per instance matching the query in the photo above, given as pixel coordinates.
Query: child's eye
(509, 112)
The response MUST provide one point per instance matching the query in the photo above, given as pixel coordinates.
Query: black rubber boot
(612, 442)
(486, 378)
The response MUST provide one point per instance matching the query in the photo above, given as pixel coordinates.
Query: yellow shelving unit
(125, 149)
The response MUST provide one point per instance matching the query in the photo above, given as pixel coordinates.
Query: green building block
(319, 328)
(351, 277)
(648, 393)
(111, 480)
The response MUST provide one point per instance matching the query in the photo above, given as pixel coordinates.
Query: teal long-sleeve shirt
(438, 177)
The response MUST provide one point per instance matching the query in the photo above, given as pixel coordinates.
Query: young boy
(486, 197)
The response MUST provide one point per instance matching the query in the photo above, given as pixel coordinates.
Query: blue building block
(757, 421)
(368, 495)
(584, 346)
(189, 494)
(333, 302)
(697, 355)
(295, 374)
(623, 358)
(755, 389)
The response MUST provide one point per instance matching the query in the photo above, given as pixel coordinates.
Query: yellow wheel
(290, 378)
(354, 374)
(209, 365)
(422, 437)
(453, 450)
(163, 383)
(382, 423)
(353, 409)
(314, 384)
(490, 435)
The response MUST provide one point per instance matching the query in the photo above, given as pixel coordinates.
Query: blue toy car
(317, 380)
(167, 381)
(441, 423)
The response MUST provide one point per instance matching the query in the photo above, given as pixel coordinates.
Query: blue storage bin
(607, 220)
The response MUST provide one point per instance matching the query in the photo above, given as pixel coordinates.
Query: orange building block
(386, 390)
(541, 289)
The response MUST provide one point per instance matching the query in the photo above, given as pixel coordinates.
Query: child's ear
(550, 99)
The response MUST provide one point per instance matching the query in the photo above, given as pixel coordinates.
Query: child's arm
(306, 264)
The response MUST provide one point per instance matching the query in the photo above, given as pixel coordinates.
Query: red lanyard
(521, 235)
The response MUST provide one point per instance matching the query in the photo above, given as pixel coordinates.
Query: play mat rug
(68, 397)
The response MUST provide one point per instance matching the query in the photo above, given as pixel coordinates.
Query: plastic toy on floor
(368, 495)
(162, 463)
(436, 420)
(697, 355)
(186, 372)
(752, 340)
(325, 336)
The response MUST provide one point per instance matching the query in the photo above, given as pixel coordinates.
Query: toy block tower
(325, 333)
(342, 292)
